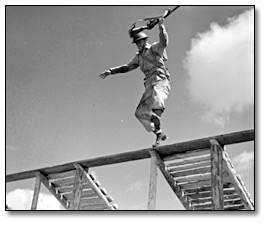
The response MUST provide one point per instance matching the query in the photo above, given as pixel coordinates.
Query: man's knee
(142, 113)
(137, 114)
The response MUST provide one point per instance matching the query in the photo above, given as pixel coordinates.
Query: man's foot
(160, 137)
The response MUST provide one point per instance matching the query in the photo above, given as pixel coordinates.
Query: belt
(162, 73)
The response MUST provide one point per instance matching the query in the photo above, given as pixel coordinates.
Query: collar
(147, 47)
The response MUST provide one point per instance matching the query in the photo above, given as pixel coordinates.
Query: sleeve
(133, 64)
(159, 47)
(163, 36)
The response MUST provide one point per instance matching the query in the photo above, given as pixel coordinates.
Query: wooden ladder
(204, 179)
(75, 189)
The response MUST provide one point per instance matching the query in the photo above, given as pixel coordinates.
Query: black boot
(160, 137)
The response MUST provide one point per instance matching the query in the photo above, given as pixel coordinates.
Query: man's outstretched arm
(120, 69)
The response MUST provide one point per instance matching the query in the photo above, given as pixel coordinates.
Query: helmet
(139, 36)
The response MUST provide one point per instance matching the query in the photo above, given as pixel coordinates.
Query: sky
(58, 110)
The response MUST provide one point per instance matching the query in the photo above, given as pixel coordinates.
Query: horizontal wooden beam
(166, 150)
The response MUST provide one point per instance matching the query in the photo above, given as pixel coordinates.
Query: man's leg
(155, 118)
(143, 114)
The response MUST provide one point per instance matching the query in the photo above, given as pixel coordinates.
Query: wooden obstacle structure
(199, 172)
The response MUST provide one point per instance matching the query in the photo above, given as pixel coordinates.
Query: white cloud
(220, 64)
(21, 199)
(243, 162)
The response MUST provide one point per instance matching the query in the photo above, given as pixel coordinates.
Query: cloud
(136, 186)
(21, 199)
(243, 162)
(220, 65)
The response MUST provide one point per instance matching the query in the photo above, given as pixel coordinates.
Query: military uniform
(156, 81)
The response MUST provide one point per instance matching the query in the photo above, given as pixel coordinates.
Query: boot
(160, 137)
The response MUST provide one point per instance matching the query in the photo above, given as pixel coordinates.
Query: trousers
(157, 90)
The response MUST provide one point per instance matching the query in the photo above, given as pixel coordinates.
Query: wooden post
(36, 192)
(216, 175)
(78, 184)
(153, 182)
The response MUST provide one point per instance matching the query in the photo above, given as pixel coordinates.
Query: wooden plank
(231, 196)
(226, 139)
(197, 177)
(203, 205)
(226, 186)
(184, 182)
(230, 202)
(234, 207)
(88, 193)
(202, 208)
(201, 170)
(198, 195)
(65, 182)
(201, 200)
(189, 166)
(95, 207)
(91, 202)
(216, 175)
(58, 176)
(65, 189)
(227, 202)
(237, 182)
(68, 196)
(185, 162)
(36, 193)
(208, 206)
(87, 186)
(177, 190)
(152, 182)
(195, 154)
(194, 185)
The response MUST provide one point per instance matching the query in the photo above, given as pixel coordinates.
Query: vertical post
(78, 184)
(153, 182)
(36, 192)
(216, 176)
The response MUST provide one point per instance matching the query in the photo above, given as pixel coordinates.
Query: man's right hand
(105, 74)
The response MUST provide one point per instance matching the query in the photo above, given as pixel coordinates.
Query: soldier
(150, 59)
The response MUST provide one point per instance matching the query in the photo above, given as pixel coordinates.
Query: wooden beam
(78, 185)
(177, 190)
(36, 192)
(216, 175)
(153, 182)
(163, 151)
